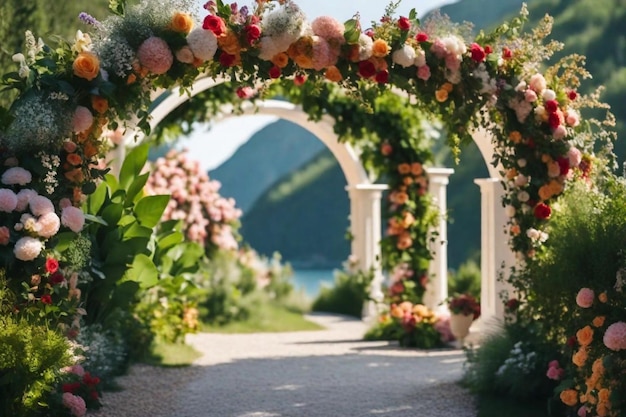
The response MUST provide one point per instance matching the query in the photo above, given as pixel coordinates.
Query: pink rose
(585, 297)
(423, 72)
(538, 83)
(615, 336)
(530, 96)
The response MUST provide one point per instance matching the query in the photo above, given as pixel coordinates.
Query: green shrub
(466, 280)
(347, 296)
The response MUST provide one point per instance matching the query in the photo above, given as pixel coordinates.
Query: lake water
(311, 280)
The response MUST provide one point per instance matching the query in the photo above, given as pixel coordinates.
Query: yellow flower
(380, 48)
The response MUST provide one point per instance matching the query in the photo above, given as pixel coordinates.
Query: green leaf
(352, 31)
(63, 240)
(149, 210)
(133, 164)
(143, 271)
(134, 191)
(118, 7)
(112, 213)
(413, 15)
(170, 240)
(96, 199)
(136, 230)
(95, 219)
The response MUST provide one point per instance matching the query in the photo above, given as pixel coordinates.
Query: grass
(268, 318)
(492, 406)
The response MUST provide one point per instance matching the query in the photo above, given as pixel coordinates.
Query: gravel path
(328, 373)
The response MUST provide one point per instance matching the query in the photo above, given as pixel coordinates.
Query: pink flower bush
(615, 336)
(75, 403)
(208, 218)
(16, 176)
(155, 55)
(73, 218)
(585, 297)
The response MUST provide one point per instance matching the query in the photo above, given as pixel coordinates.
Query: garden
(101, 258)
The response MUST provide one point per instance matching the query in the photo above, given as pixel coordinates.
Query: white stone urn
(460, 326)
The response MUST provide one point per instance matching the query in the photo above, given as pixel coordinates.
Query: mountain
(304, 216)
(274, 151)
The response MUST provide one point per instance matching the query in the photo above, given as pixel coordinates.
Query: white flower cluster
(51, 163)
(518, 362)
(281, 27)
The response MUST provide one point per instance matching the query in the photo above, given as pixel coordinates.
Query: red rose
(274, 72)
(367, 69)
(512, 304)
(571, 341)
(478, 53)
(564, 165)
(57, 278)
(421, 37)
(542, 211)
(253, 33)
(52, 265)
(215, 24)
(404, 23)
(554, 120)
(382, 77)
(572, 95)
(71, 387)
(551, 106)
(299, 79)
(507, 53)
(46, 299)
(227, 60)
(488, 49)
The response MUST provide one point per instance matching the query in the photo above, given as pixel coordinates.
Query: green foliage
(30, 362)
(466, 280)
(348, 294)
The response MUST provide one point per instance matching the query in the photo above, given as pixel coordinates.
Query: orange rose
(579, 358)
(99, 104)
(74, 159)
(380, 48)
(511, 173)
(90, 150)
(75, 175)
(408, 180)
(515, 229)
(86, 65)
(281, 60)
(448, 87)
(603, 297)
(402, 198)
(181, 22)
(404, 241)
(441, 95)
(545, 193)
(229, 43)
(598, 321)
(333, 74)
(603, 395)
(416, 169)
(404, 169)
(407, 219)
(515, 136)
(569, 397)
(584, 336)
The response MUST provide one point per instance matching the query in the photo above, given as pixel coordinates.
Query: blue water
(311, 280)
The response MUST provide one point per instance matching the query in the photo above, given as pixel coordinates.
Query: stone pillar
(496, 255)
(437, 288)
(365, 227)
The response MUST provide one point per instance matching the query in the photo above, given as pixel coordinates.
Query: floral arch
(68, 96)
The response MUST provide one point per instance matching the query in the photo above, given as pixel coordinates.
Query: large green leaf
(136, 230)
(112, 213)
(96, 199)
(150, 209)
(143, 271)
(169, 240)
(135, 189)
(133, 164)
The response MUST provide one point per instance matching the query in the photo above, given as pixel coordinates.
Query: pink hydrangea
(75, 403)
(155, 55)
(40, 205)
(8, 200)
(329, 28)
(16, 176)
(615, 336)
(82, 120)
(5, 235)
(584, 298)
(73, 218)
(323, 54)
(575, 156)
(23, 198)
(27, 248)
(48, 225)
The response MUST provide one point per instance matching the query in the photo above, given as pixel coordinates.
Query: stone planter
(460, 325)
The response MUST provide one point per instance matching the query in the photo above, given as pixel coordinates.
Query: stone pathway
(328, 373)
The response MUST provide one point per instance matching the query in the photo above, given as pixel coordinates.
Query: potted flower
(464, 309)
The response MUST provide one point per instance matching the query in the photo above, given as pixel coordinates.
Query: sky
(215, 145)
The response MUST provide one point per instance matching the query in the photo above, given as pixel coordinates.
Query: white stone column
(496, 255)
(365, 227)
(437, 288)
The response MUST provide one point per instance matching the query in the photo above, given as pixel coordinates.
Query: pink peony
(330, 29)
(48, 225)
(423, 72)
(82, 120)
(5, 235)
(323, 55)
(155, 55)
(27, 248)
(16, 176)
(23, 198)
(75, 403)
(560, 132)
(530, 96)
(65, 202)
(8, 200)
(40, 205)
(584, 298)
(615, 336)
(537, 83)
(73, 218)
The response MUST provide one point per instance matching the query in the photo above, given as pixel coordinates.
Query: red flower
(227, 60)
(404, 23)
(90, 380)
(551, 106)
(572, 95)
(46, 299)
(367, 69)
(571, 341)
(507, 53)
(274, 72)
(299, 79)
(382, 77)
(554, 120)
(94, 395)
(478, 53)
(245, 92)
(543, 211)
(52, 265)
(215, 24)
(253, 33)
(564, 165)
(488, 49)
(57, 278)
(421, 37)
(370, 33)
(70, 387)
(512, 304)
